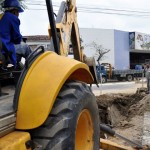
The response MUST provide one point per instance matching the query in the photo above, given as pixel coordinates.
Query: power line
(112, 9)
(95, 8)
(113, 13)
(37, 4)
(85, 9)
(90, 7)
(101, 12)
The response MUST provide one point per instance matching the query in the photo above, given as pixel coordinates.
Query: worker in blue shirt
(10, 31)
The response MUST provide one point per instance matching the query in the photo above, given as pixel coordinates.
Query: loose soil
(124, 112)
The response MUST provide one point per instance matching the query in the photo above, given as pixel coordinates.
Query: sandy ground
(124, 111)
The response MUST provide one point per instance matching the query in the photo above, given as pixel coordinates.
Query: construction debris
(146, 129)
(125, 114)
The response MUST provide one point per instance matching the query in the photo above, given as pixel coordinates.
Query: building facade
(114, 40)
(36, 40)
(127, 49)
(139, 48)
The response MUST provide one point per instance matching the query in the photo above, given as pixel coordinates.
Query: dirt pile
(124, 112)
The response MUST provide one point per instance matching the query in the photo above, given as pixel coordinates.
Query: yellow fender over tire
(73, 123)
(42, 84)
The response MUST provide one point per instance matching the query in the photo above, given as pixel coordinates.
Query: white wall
(104, 37)
(121, 50)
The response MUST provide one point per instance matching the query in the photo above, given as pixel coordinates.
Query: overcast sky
(126, 15)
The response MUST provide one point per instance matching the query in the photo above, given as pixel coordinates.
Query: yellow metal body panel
(84, 131)
(1, 15)
(14, 141)
(72, 4)
(109, 145)
(69, 32)
(42, 84)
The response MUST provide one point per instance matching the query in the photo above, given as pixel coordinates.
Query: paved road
(117, 87)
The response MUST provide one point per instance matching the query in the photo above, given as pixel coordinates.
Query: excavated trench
(125, 113)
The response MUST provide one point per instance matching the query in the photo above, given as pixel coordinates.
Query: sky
(125, 15)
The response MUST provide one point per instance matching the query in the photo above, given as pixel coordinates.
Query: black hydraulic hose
(53, 25)
(108, 130)
(34, 54)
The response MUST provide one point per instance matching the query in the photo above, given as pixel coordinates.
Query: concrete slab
(146, 129)
(117, 87)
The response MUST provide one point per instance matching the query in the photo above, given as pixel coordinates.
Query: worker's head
(13, 6)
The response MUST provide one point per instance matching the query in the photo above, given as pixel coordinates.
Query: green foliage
(22, 2)
(1, 2)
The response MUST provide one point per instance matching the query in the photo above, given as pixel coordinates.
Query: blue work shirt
(10, 34)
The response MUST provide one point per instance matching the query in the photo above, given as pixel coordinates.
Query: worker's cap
(12, 4)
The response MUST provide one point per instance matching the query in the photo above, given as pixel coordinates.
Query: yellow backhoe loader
(52, 107)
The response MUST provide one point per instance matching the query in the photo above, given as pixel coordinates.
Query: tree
(1, 2)
(100, 51)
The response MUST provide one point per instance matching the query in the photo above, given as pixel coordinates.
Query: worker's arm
(15, 32)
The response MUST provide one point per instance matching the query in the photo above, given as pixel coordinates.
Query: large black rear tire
(73, 123)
